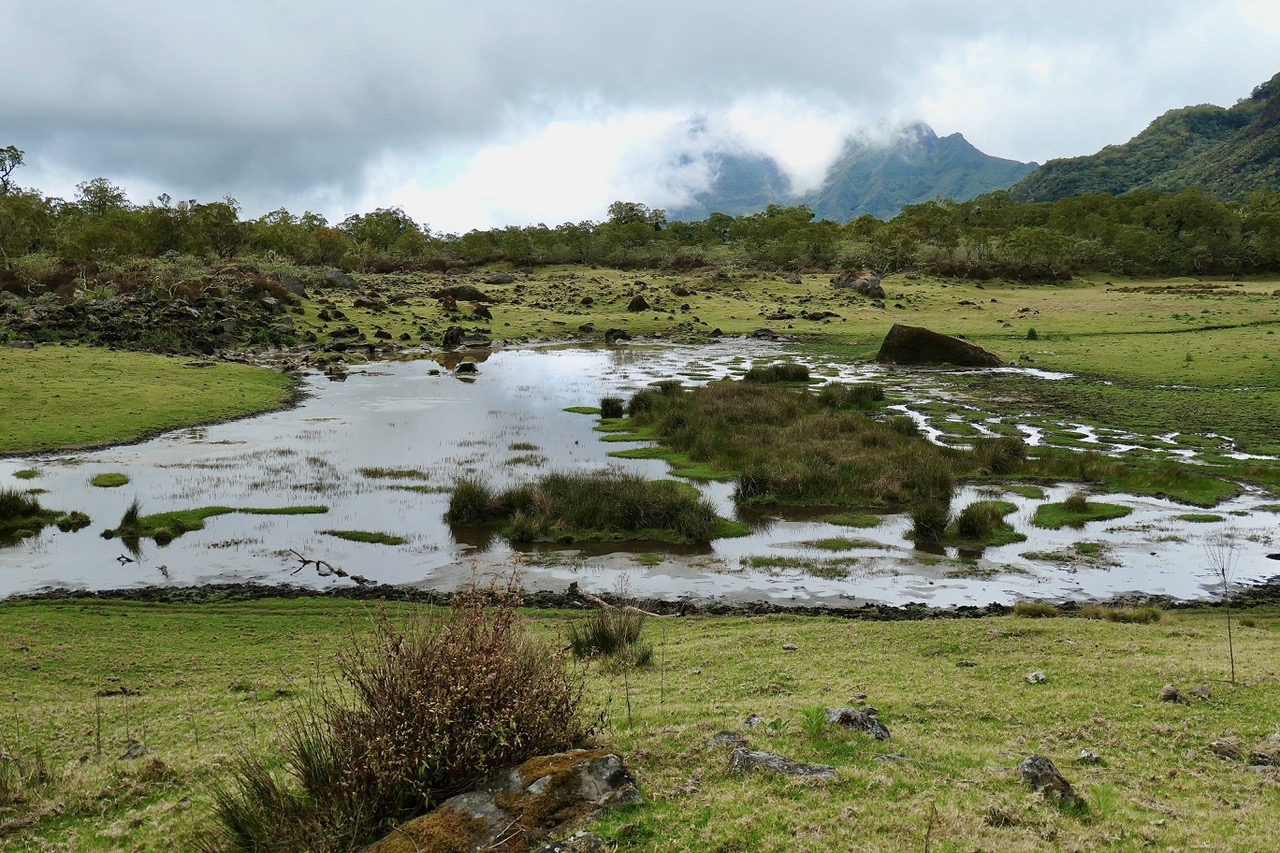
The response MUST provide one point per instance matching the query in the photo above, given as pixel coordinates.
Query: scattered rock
(466, 367)
(858, 719)
(582, 841)
(1200, 692)
(137, 750)
(1227, 747)
(613, 336)
(891, 758)
(1039, 772)
(586, 301)
(865, 283)
(1265, 754)
(742, 760)
(1088, 756)
(542, 798)
(499, 278)
(587, 327)
(1169, 693)
(638, 303)
(290, 282)
(789, 647)
(463, 292)
(338, 278)
(752, 721)
(1036, 677)
(481, 312)
(453, 337)
(727, 738)
(918, 345)
(765, 334)
(965, 664)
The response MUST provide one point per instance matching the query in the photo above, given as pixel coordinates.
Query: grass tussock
(1140, 615)
(1075, 511)
(781, 372)
(109, 480)
(614, 633)
(567, 506)
(1036, 610)
(431, 707)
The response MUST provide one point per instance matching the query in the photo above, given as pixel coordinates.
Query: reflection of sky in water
(396, 415)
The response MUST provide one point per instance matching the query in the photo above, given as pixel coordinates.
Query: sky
(495, 112)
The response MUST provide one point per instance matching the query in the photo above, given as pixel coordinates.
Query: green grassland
(65, 397)
(198, 683)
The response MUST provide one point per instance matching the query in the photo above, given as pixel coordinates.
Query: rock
(1169, 693)
(752, 721)
(858, 719)
(587, 327)
(499, 278)
(1036, 677)
(765, 334)
(137, 750)
(347, 331)
(789, 647)
(1266, 753)
(865, 283)
(453, 337)
(1088, 756)
(481, 312)
(338, 278)
(1039, 772)
(586, 301)
(918, 345)
(638, 303)
(613, 336)
(290, 282)
(743, 760)
(791, 279)
(582, 841)
(1227, 747)
(1200, 692)
(466, 367)
(781, 315)
(727, 738)
(542, 798)
(464, 292)
(891, 758)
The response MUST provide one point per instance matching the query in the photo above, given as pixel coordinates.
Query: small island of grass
(109, 480)
(1075, 511)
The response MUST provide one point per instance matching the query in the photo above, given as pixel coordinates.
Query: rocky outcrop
(742, 760)
(521, 809)
(865, 283)
(1039, 772)
(918, 345)
(858, 720)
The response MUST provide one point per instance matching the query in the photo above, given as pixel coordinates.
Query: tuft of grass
(164, 527)
(26, 474)
(611, 633)
(1027, 491)
(572, 506)
(1036, 610)
(1140, 615)
(612, 407)
(284, 510)
(394, 473)
(1201, 517)
(841, 543)
(861, 520)
(982, 523)
(929, 521)
(109, 480)
(780, 372)
(371, 537)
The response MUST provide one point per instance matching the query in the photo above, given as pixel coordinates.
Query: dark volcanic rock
(855, 718)
(1039, 772)
(638, 303)
(612, 336)
(743, 759)
(453, 337)
(917, 345)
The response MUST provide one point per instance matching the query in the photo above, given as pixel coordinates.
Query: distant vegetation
(99, 239)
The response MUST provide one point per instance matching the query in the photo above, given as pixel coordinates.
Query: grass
(26, 474)
(1026, 491)
(841, 543)
(164, 527)
(109, 480)
(982, 523)
(1055, 516)
(602, 505)
(367, 536)
(22, 516)
(165, 671)
(394, 474)
(1201, 517)
(61, 397)
(861, 520)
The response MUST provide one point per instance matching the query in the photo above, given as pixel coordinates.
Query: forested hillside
(1227, 152)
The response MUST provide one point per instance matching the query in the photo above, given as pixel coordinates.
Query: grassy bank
(196, 684)
(57, 397)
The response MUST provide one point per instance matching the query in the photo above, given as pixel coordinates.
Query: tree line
(1138, 233)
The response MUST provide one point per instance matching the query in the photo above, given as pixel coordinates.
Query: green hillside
(1229, 152)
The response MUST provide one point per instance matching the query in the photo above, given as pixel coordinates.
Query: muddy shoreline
(1256, 595)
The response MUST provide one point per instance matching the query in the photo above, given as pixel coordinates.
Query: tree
(100, 197)
(10, 159)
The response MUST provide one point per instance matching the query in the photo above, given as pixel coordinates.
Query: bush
(1036, 610)
(434, 706)
(929, 521)
(470, 504)
(612, 407)
(979, 519)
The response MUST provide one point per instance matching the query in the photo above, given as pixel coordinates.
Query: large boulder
(918, 345)
(742, 760)
(540, 800)
(865, 283)
(1039, 773)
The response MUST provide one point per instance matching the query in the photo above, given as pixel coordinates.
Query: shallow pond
(379, 448)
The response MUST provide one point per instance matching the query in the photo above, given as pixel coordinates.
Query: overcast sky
(492, 113)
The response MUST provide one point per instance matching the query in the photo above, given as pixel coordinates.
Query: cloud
(339, 105)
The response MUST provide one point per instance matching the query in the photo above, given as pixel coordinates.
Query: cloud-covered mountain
(877, 177)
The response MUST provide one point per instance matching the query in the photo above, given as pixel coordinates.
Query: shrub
(641, 401)
(979, 519)
(612, 407)
(1032, 334)
(999, 455)
(929, 521)
(434, 706)
(1036, 610)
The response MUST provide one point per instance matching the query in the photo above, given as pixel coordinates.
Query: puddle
(378, 448)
